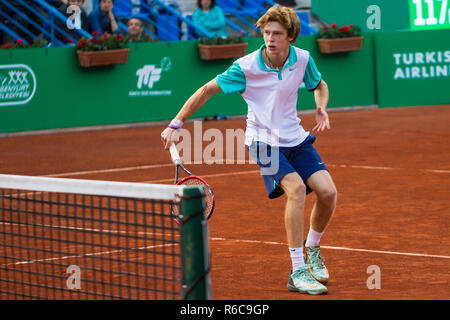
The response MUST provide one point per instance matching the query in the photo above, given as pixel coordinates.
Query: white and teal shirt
(271, 95)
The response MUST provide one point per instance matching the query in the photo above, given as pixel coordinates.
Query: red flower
(255, 35)
(334, 25)
(242, 32)
(99, 41)
(352, 26)
(95, 33)
(19, 41)
(8, 46)
(81, 43)
(119, 36)
(105, 35)
(344, 28)
(325, 28)
(93, 39)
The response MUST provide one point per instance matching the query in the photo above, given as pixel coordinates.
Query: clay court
(391, 168)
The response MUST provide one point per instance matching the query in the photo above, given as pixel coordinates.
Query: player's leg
(295, 191)
(322, 184)
(300, 279)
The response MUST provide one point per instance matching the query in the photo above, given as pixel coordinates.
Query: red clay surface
(391, 168)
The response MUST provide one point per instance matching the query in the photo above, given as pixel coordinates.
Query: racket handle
(174, 154)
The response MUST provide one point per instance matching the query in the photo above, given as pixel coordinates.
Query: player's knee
(328, 196)
(296, 192)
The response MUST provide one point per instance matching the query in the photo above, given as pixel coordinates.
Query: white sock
(313, 239)
(297, 258)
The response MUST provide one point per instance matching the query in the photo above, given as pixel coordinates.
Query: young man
(268, 80)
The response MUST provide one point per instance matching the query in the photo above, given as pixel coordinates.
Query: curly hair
(285, 16)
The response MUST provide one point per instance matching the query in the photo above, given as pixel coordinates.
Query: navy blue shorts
(303, 159)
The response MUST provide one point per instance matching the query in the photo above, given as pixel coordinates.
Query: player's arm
(321, 96)
(195, 102)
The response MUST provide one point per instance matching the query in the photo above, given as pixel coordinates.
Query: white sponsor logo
(148, 76)
(422, 65)
(17, 84)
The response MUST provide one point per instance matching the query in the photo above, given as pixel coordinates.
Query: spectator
(79, 21)
(103, 19)
(136, 30)
(210, 17)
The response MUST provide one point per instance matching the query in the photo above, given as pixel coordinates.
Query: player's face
(276, 38)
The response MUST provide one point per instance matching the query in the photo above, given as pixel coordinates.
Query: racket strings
(208, 198)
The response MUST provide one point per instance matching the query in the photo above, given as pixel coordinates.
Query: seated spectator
(80, 21)
(136, 30)
(210, 17)
(103, 19)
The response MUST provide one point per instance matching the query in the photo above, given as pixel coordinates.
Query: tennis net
(83, 239)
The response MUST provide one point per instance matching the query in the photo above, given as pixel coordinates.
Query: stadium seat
(304, 20)
(167, 26)
(191, 34)
(253, 7)
(303, 16)
(229, 6)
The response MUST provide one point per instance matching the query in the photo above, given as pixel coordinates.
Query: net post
(196, 250)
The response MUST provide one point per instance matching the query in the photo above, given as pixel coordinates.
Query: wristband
(175, 124)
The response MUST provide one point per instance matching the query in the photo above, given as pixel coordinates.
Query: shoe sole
(295, 289)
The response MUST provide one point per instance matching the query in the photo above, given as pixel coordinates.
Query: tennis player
(269, 79)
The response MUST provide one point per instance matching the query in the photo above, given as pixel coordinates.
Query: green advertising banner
(413, 68)
(46, 88)
(429, 14)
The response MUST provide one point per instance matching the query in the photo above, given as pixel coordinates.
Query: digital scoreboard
(429, 14)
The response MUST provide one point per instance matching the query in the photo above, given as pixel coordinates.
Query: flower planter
(340, 44)
(222, 51)
(102, 58)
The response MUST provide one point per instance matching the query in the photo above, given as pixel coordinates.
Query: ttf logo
(148, 75)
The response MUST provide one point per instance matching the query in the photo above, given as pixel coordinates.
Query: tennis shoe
(316, 263)
(302, 281)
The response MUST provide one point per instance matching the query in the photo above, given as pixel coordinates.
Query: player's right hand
(167, 137)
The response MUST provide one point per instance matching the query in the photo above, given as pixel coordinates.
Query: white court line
(78, 173)
(91, 254)
(208, 176)
(340, 248)
(164, 165)
(221, 239)
(82, 229)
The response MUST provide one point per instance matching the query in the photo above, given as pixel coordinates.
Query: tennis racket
(191, 180)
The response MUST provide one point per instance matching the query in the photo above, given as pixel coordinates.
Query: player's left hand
(322, 121)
